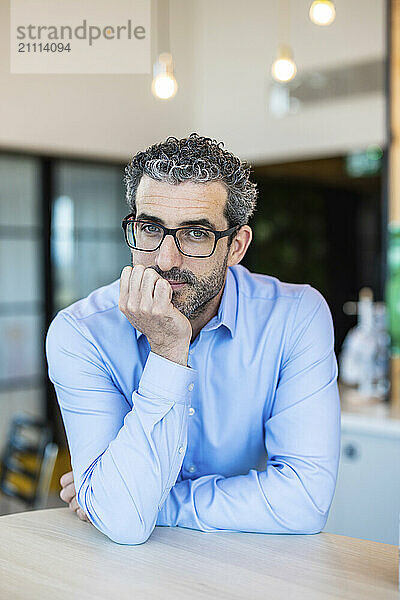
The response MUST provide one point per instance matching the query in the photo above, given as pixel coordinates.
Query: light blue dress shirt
(244, 438)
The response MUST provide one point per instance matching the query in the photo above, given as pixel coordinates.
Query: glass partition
(22, 307)
(88, 247)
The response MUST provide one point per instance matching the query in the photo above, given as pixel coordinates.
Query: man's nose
(168, 255)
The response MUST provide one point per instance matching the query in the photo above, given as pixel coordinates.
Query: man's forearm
(122, 491)
(247, 503)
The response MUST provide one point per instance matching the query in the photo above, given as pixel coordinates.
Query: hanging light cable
(164, 85)
(284, 68)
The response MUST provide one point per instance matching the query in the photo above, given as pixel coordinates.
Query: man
(202, 395)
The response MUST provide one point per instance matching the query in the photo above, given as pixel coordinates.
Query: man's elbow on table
(117, 528)
(126, 532)
(310, 522)
(127, 535)
(317, 524)
(128, 540)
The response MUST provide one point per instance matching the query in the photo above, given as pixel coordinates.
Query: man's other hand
(68, 494)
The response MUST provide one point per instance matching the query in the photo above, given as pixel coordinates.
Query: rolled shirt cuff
(167, 379)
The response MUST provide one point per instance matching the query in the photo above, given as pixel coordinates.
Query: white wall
(236, 45)
(95, 115)
(223, 52)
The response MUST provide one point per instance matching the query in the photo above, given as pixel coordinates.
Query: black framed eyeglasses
(192, 240)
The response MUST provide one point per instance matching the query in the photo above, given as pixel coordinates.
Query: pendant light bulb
(322, 12)
(284, 68)
(164, 85)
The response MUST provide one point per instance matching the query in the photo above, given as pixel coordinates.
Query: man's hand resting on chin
(145, 300)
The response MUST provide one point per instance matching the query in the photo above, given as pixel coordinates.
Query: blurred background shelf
(367, 497)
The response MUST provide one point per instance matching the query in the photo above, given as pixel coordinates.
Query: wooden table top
(52, 554)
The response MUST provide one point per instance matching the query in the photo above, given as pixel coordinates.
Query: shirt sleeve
(302, 438)
(124, 459)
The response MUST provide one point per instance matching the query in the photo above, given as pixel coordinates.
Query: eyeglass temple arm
(220, 234)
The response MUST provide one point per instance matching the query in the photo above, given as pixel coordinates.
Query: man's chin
(177, 300)
(178, 295)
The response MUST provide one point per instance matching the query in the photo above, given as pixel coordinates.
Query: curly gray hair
(199, 159)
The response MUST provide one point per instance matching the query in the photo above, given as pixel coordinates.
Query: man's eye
(150, 228)
(198, 234)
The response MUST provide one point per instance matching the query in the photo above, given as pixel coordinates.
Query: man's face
(172, 205)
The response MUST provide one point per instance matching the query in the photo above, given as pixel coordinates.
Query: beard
(199, 291)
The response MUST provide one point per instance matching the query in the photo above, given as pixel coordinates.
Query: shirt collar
(227, 308)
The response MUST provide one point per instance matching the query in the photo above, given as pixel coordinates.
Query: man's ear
(239, 245)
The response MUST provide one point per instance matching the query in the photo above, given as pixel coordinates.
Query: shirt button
(191, 469)
(181, 449)
(191, 411)
(190, 386)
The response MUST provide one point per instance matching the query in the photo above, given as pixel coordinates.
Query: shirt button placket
(192, 468)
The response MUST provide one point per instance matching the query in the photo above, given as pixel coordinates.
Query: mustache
(176, 275)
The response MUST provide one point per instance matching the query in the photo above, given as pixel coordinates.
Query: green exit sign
(365, 163)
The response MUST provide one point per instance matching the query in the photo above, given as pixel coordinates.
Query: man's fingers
(66, 478)
(82, 515)
(149, 279)
(68, 492)
(124, 286)
(73, 505)
(135, 282)
(140, 286)
(162, 294)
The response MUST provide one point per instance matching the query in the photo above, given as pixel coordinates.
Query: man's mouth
(176, 284)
